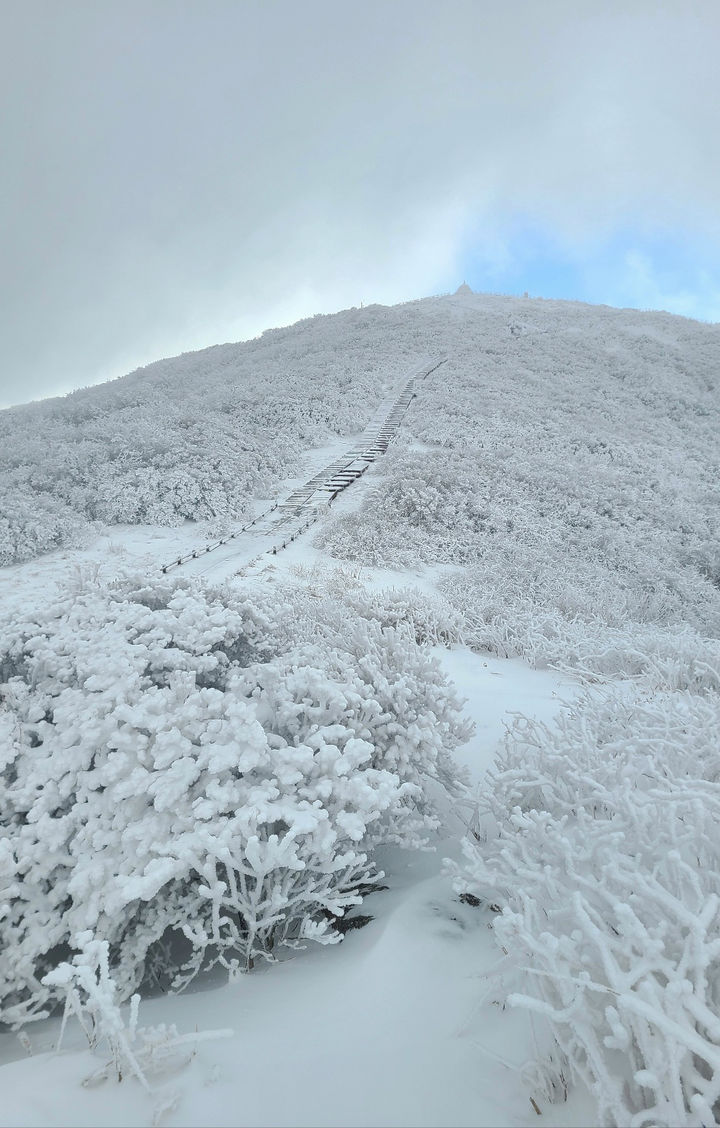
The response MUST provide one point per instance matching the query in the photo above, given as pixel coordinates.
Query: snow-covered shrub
(512, 624)
(598, 840)
(30, 526)
(523, 546)
(428, 615)
(426, 507)
(190, 778)
(91, 995)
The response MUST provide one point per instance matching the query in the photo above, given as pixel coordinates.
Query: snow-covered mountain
(207, 769)
(197, 436)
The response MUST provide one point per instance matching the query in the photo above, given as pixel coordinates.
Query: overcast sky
(174, 174)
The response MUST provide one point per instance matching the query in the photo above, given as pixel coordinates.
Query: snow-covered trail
(344, 462)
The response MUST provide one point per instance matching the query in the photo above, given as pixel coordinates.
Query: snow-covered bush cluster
(584, 643)
(193, 437)
(202, 775)
(598, 840)
(327, 590)
(570, 471)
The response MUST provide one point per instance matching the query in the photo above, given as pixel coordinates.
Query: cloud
(177, 174)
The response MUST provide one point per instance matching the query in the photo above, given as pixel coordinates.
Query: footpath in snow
(276, 528)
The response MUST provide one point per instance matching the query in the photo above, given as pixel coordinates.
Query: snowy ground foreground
(433, 1057)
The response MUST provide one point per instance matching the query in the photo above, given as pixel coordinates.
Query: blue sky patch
(637, 268)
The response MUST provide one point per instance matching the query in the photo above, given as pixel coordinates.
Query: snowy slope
(200, 435)
(549, 499)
